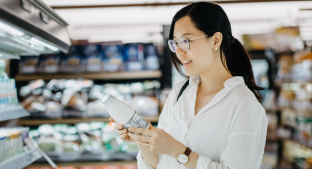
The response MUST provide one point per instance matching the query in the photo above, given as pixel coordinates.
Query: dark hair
(211, 18)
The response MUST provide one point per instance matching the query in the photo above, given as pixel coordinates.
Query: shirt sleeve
(245, 145)
(163, 119)
(142, 164)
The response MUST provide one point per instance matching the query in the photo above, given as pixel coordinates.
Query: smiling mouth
(186, 63)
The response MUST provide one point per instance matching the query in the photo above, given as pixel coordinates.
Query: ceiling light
(44, 44)
(11, 29)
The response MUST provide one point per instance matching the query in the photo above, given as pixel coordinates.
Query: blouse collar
(228, 84)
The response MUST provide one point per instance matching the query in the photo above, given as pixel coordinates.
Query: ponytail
(240, 65)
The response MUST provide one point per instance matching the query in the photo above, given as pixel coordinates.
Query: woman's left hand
(159, 142)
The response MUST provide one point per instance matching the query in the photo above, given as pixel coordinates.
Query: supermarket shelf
(305, 144)
(87, 163)
(21, 160)
(280, 82)
(34, 122)
(12, 113)
(99, 76)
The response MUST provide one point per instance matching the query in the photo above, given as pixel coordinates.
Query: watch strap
(187, 151)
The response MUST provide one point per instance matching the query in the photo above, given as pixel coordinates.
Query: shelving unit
(34, 122)
(80, 164)
(280, 82)
(12, 113)
(95, 76)
(21, 160)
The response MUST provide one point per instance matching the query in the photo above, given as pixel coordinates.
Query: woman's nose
(179, 51)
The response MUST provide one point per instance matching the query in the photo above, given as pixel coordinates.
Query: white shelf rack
(12, 112)
(21, 160)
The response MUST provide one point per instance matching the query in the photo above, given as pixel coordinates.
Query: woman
(217, 123)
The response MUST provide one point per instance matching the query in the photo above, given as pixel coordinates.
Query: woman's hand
(159, 142)
(121, 131)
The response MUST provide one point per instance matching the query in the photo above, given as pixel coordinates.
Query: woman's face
(200, 57)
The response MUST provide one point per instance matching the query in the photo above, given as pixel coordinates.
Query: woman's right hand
(121, 131)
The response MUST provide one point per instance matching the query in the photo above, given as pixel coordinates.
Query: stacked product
(12, 141)
(83, 141)
(75, 98)
(108, 57)
(8, 94)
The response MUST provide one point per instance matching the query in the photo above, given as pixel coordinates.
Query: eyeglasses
(184, 44)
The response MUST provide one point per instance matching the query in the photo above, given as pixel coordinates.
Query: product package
(49, 63)
(133, 56)
(92, 57)
(113, 59)
(71, 62)
(151, 57)
(28, 64)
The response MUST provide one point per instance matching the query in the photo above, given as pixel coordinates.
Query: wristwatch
(183, 158)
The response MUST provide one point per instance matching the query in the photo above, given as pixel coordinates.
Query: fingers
(121, 132)
(140, 138)
(151, 126)
(142, 131)
(118, 126)
(112, 120)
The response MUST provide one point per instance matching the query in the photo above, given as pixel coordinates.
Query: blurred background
(55, 53)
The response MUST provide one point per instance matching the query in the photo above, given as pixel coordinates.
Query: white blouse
(227, 133)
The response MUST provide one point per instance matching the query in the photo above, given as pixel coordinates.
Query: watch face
(182, 158)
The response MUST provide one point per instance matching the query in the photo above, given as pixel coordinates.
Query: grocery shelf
(305, 144)
(280, 82)
(87, 163)
(21, 160)
(12, 112)
(34, 122)
(99, 76)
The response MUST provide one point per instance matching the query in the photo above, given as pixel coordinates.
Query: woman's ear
(217, 39)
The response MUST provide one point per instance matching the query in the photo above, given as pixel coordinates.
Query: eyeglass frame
(177, 42)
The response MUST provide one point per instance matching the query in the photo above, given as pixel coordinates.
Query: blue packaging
(49, 63)
(28, 64)
(134, 57)
(72, 62)
(113, 58)
(92, 57)
(151, 57)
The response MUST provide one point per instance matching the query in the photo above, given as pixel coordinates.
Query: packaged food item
(134, 57)
(123, 113)
(28, 64)
(151, 57)
(47, 142)
(49, 63)
(11, 142)
(72, 62)
(145, 106)
(113, 59)
(92, 57)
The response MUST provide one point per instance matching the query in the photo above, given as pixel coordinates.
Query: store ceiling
(141, 20)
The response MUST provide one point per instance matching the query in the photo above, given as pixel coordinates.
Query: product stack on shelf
(67, 121)
(294, 102)
(8, 97)
(291, 119)
(95, 58)
(95, 141)
(68, 98)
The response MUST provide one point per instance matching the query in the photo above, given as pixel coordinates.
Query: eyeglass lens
(183, 43)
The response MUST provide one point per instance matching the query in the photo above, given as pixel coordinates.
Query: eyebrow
(184, 34)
